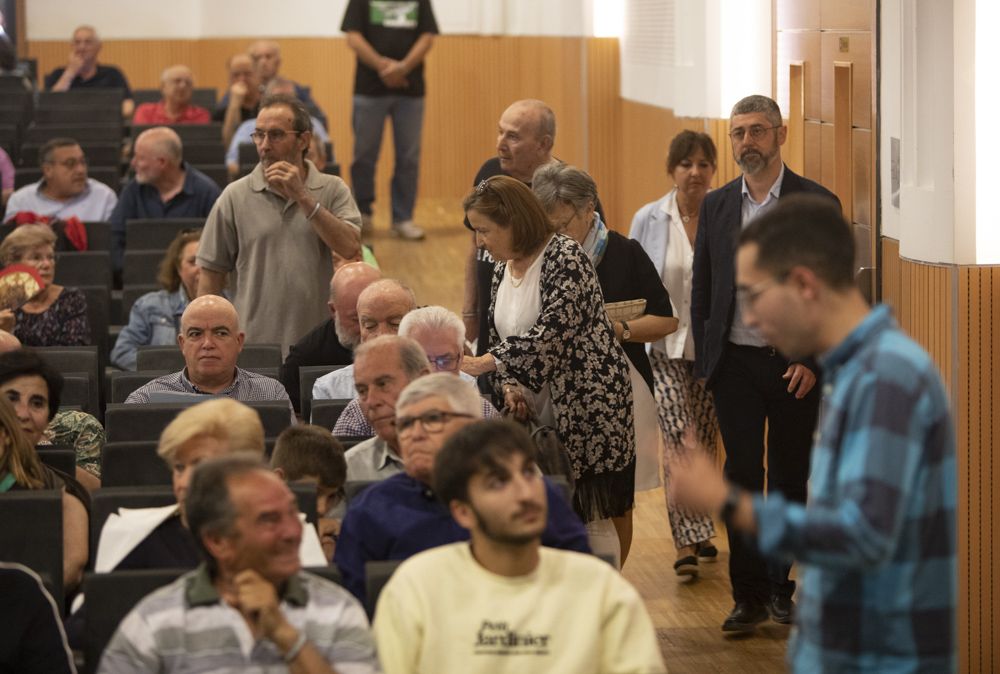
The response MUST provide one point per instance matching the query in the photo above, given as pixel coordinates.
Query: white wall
(193, 19)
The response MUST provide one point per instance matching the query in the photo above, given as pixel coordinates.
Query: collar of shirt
(82, 195)
(772, 193)
(878, 319)
(200, 591)
(384, 454)
(150, 191)
(224, 392)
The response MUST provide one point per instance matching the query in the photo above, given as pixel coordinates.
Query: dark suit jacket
(319, 347)
(713, 288)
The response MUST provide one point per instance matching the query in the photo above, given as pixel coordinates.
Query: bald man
(165, 186)
(242, 101)
(211, 340)
(266, 57)
(332, 342)
(177, 87)
(82, 71)
(381, 307)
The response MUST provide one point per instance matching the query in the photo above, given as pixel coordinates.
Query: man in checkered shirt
(211, 340)
(877, 539)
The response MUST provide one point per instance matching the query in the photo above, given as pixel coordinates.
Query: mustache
(528, 509)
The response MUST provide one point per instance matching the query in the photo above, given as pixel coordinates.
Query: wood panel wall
(953, 313)
(470, 80)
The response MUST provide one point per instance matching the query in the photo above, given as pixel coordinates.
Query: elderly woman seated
(56, 316)
(145, 538)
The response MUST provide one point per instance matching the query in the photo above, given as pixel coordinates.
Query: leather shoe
(782, 609)
(744, 617)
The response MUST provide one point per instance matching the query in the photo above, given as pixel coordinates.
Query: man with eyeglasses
(442, 336)
(64, 191)
(400, 515)
(752, 383)
(278, 227)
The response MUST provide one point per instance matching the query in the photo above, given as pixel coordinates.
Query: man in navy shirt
(401, 516)
(164, 187)
(82, 71)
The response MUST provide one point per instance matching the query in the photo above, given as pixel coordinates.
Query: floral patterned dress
(572, 348)
(62, 324)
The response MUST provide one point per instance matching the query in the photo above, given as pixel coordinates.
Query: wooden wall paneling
(794, 151)
(797, 14)
(604, 130)
(727, 170)
(859, 52)
(847, 14)
(828, 160)
(800, 47)
(892, 277)
(843, 141)
(813, 150)
(861, 176)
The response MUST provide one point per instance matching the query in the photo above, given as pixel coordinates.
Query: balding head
(345, 287)
(8, 342)
(157, 156)
(266, 55)
(177, 86)
(211, 340)
(86, 44)
(526, 133)
(279, 86)
(381, 307)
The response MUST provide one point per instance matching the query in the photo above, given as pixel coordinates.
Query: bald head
(162, 141)
(381, 306)
(211, 340)
(157, 157)
(345, 287)
(526, 133)
(86, 45)
(266, 55)
(177, 86)
(279, 86)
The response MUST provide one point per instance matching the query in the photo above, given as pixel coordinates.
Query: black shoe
(782, 609)
(707, 553)
(744, 617)
(686, 566)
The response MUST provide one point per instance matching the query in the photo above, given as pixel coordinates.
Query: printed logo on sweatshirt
(497, 638)
(392, 14)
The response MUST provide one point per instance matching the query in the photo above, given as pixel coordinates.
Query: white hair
(462, 396)
(433, 319)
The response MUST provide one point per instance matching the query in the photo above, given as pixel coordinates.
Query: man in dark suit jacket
(751, 383)
(331, 342)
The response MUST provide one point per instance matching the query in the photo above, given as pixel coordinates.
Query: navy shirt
(195, 200)
(106, 77)
(400, 516)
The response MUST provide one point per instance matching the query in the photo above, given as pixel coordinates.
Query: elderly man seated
(242, 101)
(333, 341)
(177, 86)
(266, 55)
(82, 71)
(249, 606)
(211, 340)
(165, 186)
(381, 307)
(242, 135)
(399, 516)
(384, 366)
(65, 190)
(441, 334)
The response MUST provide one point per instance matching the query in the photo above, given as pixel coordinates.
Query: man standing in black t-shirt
(82, 71)
(391, 39)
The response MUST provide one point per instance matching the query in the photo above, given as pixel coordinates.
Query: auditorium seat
(127, 423)
(308, 374)
(133, 464)
(124, 382)
(157, 233)
(32, 534)
(326, 412)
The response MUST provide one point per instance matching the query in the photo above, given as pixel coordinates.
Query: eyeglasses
(273, 135)
(70, 163)
(747, 296)
(445, 363)
(432, 421)
(756, 132)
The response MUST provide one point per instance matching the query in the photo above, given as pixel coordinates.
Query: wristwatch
(626, 333)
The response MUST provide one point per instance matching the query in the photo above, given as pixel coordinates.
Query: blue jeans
(368, 119)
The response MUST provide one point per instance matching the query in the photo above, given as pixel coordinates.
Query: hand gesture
(695, 481)
(238, 92)
(515, 403)
(74, 64)
(393, 75)
(800, 379)
(257, 600)
(285, 178)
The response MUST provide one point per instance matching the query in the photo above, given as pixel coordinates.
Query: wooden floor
(687, 616)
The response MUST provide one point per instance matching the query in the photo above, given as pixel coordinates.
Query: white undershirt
(678, 263)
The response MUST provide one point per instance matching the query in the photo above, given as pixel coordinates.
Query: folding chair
(84, 268)
(326, 412)
(108, 500)
(140, 267)
(133, 464)
(130, 294)
(157, 233)
(79, 389)
(60, 458)
(32, 534)
(377, 574)
(98, 235)
(123, 383)
(308, 374)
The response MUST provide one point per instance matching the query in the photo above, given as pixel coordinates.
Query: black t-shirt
(106, 77)
(320, 346)
(31, 641)
(219, 114)
(391, 27)
(168, 546)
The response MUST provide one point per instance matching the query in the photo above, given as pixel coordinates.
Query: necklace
(685, 218)
(514, 281)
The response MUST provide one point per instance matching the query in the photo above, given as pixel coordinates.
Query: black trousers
(748, 390)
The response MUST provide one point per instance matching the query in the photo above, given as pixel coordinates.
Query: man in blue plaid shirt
(876, 541)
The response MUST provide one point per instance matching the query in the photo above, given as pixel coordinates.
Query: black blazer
(713, 287)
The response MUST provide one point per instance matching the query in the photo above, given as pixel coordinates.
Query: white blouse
(678, 266)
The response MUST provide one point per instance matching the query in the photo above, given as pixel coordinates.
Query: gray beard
(348, 341)
(752, 162)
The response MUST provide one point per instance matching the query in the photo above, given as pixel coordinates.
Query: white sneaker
(407, 229)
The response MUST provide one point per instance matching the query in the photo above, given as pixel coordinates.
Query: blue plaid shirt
(877, 538)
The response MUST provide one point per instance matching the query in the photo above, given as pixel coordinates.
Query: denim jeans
(368, 119)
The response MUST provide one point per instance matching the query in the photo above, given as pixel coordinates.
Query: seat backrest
(305, 496)
(133, 464)
(157, 234)
(308, 374)
(159, 357)
(377, 574)
(260, 355)
(202, 96)
(98, 235)
(348, 441)
(140, 267)
(110, 597)
(81, 132)
(98, 153)
(107, 500)
(32, 534)
(326, 412)
(61, 458)
(106, 98)
(98, 315)
(204, 152)
(70, 359)
(130, 294)
(124, 383)
(217, 172)
(83, 268)
(80, 389)
(189, 133)
(128, 423)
